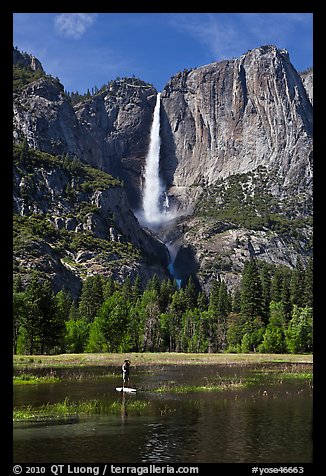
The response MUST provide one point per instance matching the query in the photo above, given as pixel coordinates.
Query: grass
(257, 376)
(277, 376)
(69, 408)
(29, 379)
(199, 388)
(155, 358)
(246, 371)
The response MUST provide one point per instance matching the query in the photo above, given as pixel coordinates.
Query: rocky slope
(236, 150)
(109, 131)
(237, 155)
(73, 221)
(308, 82)
(233, 116)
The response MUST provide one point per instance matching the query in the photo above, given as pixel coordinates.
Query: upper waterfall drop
(153, 189)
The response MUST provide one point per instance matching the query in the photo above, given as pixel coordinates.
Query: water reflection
(230, 426)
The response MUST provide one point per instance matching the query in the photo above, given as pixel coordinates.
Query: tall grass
(68, 408)
(29, 379)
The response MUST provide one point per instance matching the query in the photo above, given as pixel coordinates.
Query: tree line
(271, 311)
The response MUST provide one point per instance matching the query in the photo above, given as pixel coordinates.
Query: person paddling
(125, 372)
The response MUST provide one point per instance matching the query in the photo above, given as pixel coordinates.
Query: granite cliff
(237, 156)
(109, 131)
(232, 117)
(236, 150)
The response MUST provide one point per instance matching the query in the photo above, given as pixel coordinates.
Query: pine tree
(154, 284)
(51, 324)
(286, 297)
(298, 284)
(165, 295)
(251, 292)
(274, 336)
(266, 292)
(109, 287)
(202, 301)
(91, 298)
(136, 289)
(24, 155)
(234, 332)
(127, 289)
(223, 309)
(213, 297)
(191, 293)
(276, 285)
(236, 301)
(177, 307)
(308, 297)
(63, 301)
(251, 306)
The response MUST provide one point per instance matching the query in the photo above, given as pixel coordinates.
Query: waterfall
(156, 207)
(153, 185)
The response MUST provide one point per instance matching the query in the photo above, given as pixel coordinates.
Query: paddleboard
(125, 389)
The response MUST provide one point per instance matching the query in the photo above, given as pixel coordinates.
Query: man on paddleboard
(125, 372)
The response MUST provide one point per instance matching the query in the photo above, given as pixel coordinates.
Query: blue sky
(88, 49)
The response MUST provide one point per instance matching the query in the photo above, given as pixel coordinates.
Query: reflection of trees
(169, 439)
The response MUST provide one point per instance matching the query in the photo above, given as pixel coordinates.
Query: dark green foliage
(251, 292)
(273, 339)
(247, 200)
(91, 297)
(113, 317)
(76, 97)
(37, 318)
(299, 333)
(191, 293)
(308, 284)
(23, 75)
(265, 278)
(86, 178)
(110, 330)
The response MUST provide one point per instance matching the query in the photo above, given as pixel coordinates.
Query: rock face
(119, 121)
(71, 226)
(26, 60)
(231, 117)
(242, 126)
(308, 82)
(110, 131)
(43, 114)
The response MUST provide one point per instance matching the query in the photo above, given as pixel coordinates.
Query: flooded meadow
(222, 410)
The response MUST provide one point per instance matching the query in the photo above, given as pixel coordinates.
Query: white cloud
(217, 32)
(73, 25)
(227, 35)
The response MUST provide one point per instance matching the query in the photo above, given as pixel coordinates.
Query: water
(156, 208)
(153, 185)
(243, 425)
